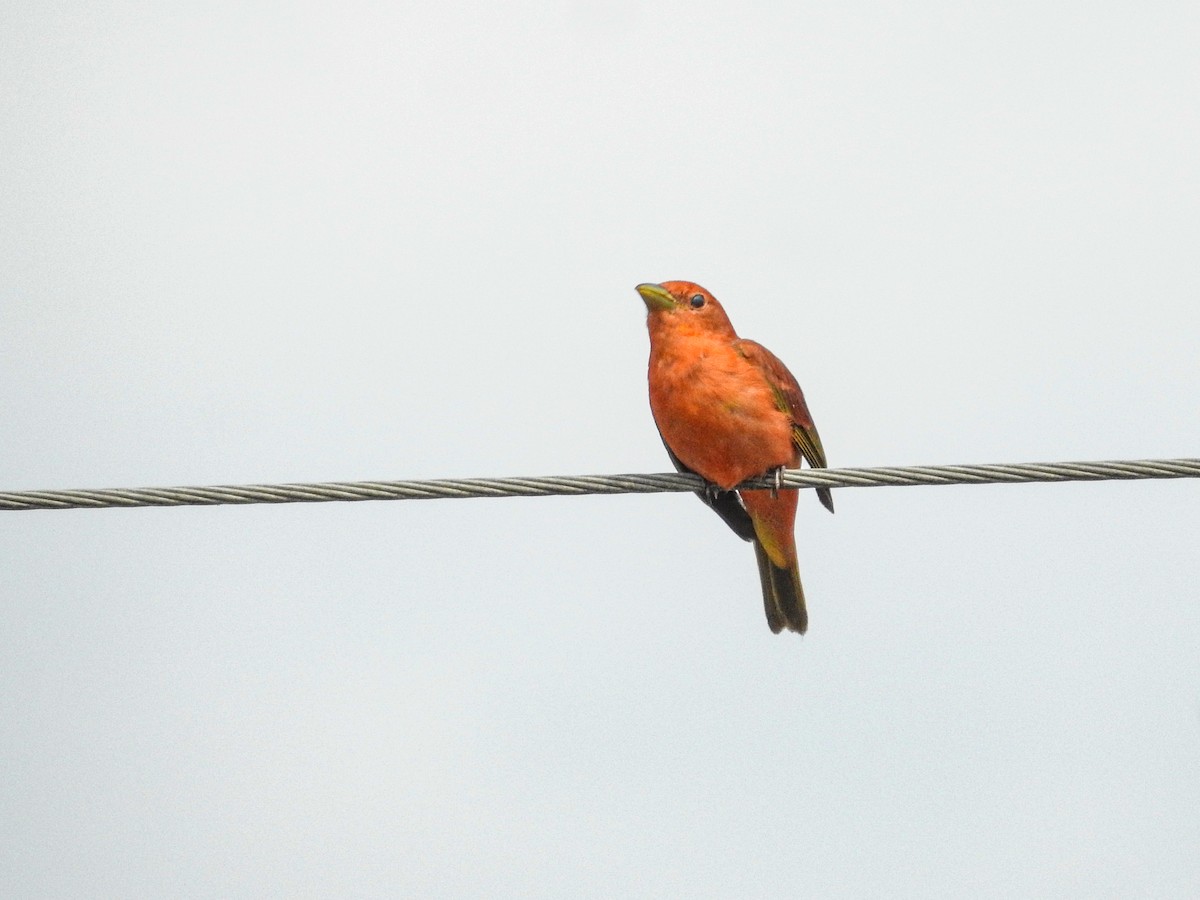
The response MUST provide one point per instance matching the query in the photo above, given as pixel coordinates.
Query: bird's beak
(656, 297)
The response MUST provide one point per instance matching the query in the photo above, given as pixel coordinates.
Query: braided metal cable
(545, 486)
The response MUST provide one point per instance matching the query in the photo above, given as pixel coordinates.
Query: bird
(727, 409)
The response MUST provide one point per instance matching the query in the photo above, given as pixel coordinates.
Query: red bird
(727, 410)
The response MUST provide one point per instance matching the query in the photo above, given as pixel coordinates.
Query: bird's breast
(717, 412)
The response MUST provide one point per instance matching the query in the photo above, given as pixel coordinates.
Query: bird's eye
(697, 301)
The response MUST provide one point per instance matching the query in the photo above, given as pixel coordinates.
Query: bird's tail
(783, 597)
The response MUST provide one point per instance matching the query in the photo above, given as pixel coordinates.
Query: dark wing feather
(726, 504)
(790, 399)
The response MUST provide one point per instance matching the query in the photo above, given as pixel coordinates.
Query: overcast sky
(252, 242)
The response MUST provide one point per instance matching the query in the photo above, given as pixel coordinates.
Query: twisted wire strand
(576, 485)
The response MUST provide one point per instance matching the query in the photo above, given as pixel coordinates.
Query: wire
(546, 486)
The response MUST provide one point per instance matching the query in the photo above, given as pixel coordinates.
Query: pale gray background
(270, 242)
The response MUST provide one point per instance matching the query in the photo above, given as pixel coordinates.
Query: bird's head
(683, 306)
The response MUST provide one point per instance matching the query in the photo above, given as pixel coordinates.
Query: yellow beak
(656, 297)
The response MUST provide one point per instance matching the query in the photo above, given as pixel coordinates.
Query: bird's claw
(777, 476)
(712, 492)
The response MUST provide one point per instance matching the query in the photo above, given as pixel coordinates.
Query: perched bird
(727, 409)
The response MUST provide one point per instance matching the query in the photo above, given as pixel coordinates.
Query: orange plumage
(728, 409)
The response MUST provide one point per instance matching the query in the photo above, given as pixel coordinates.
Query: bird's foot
(712, 492)
(777, 476)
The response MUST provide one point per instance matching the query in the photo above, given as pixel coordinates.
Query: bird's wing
(790, 399)
(726, 504)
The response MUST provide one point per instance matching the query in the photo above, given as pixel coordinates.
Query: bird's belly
(722, 422)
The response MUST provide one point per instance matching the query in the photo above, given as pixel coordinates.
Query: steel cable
(575, 485)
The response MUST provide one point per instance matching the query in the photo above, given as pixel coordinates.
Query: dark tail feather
(783, 597)
(826, 498)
